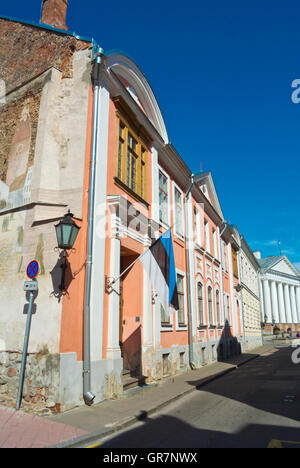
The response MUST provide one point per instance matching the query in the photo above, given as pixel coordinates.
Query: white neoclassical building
(251, 303)
(280, 292)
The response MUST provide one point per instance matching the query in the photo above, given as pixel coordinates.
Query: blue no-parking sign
(32, 269)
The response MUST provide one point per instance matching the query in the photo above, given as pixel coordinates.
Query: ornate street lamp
(66, 233)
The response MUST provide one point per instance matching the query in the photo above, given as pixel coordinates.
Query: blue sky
(222, 74)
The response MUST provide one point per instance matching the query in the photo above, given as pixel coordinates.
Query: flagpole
(110, 283)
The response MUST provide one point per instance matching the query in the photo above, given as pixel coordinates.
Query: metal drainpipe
(88, 396)
(221, 258)
(191, 351)
(242, 287)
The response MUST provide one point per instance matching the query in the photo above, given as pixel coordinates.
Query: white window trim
(166, 226)
(227, 303)
(217, 289)
(204, 324)
(179, 328)
(170, 327)
(209, 285)
(198, 228)
(177, 234)
(215, 243)
(207, 235)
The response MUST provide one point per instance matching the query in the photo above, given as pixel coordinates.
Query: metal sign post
(30, 286)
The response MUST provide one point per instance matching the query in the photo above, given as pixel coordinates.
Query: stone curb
(79, 442)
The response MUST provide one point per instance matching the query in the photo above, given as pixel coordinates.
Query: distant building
(251, 302)
(280, 293)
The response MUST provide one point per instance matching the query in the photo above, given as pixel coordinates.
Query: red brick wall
(26, 51)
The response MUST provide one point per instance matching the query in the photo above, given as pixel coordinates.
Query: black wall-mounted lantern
(66, 233)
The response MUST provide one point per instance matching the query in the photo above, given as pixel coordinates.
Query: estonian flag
(158, 262)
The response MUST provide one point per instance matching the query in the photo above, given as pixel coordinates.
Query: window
(120, 148)
(225, 257)
(215, 243)
(165, 318)
(163, 198)
(131, 161)
(200, 304)
(210, 305)
(165, 362)
(218, 308)
(228, 309)
(180, 292)
(207, 238)
(235, 264)
(197, 231)
(181, 359)
(178, 212)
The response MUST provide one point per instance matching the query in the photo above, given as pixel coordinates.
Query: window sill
(199, 248)
(164, 225)
(212, 327)
(131, 192)
(179, 236)
(209, 256)
(202, 327)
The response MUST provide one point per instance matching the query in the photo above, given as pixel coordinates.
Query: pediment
(207, 186)
(284, 266)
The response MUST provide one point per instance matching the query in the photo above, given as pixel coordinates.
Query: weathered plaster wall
(42, 155)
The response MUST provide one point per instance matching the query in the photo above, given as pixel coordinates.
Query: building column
(282, 314)
(267, 302)
(261, 296)
(298, 302)
(287, 302)
(113, 338)
(293, 304)
(275, 312)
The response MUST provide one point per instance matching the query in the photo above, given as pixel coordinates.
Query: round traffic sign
(32, 269)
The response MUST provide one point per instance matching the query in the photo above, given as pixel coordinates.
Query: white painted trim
(168, 224)
(177, 234)
(185, 305)
(97, 277)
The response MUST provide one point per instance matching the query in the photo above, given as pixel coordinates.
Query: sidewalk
(79, 427)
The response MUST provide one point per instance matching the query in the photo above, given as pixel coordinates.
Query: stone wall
(42, 154)
(27, 51)
(41, 382)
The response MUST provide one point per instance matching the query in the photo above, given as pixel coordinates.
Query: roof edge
(48, 28)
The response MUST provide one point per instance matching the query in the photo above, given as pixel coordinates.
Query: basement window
(165, 364)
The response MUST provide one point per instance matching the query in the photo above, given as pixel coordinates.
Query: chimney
(257, 254)
(54, 13)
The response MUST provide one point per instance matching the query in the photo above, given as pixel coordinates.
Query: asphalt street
(249, 407)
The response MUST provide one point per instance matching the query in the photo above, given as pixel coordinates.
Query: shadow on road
(269, 383)
(171, 432)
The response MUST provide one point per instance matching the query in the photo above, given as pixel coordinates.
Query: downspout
(221, 258)
(242, 287)
(88, 396)
(191, 350)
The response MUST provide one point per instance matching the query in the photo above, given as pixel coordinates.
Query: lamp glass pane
(58, 234)
(73, 235)
(66, 234)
